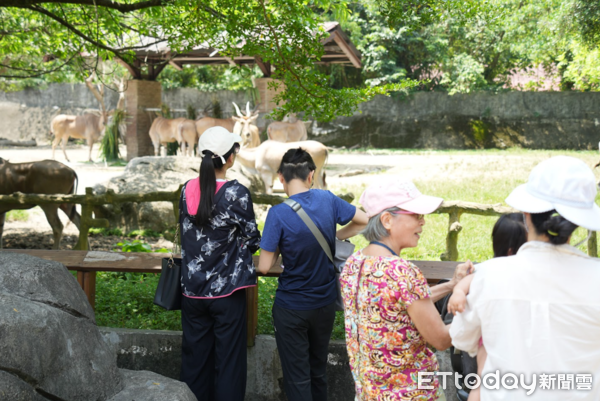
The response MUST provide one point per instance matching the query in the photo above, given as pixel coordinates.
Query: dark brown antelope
(43, 177)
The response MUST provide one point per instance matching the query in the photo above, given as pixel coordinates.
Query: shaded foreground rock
(150, 174)
(149, 386)
(51, 348)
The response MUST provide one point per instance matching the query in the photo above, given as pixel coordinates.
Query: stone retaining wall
(425, 120)
(160, 352)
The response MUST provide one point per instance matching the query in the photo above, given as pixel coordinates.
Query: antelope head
(244, 124)
(205, 112)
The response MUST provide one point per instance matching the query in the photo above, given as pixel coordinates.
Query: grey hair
(375, 231)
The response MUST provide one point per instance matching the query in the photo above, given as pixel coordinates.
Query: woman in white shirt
(538, 312)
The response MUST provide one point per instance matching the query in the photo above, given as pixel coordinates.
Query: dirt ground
(346, 172)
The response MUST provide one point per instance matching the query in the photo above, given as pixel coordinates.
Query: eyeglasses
(418, 216)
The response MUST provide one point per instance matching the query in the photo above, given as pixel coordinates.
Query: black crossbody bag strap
(296, 207)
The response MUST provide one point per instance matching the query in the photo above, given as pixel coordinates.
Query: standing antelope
(182, 130)
(205, 123)
(43, 177)
(293, 130)
(90, 126)
(245, 127)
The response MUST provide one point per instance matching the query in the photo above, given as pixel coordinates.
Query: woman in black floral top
(218, 237)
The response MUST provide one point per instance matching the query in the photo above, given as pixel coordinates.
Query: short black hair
(508, 234)
(296, 163)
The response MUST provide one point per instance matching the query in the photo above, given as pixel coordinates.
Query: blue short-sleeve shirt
(308, 278)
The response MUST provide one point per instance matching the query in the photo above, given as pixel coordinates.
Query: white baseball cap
(564, 184)
(218, 140)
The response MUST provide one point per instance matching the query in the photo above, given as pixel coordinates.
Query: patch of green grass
(127, 300)
(136, 246)
(106, 231)
(17, 215)
(144, 233)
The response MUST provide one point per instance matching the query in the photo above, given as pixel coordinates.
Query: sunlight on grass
(17, 215)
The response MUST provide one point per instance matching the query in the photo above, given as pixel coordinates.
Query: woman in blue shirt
(304, 307)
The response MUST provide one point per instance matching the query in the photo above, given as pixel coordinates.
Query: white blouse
(538, 312)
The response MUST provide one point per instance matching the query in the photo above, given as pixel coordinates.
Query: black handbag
(343, 249)
(168, 292)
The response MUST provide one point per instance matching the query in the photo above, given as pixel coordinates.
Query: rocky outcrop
(149, 174)
(51, 348)
(149, 386)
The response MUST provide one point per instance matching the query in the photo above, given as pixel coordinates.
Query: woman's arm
(427, 320)
(358, 223)
(441, 290)
(267, 260)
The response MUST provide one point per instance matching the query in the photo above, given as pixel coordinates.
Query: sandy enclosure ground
(346, 172)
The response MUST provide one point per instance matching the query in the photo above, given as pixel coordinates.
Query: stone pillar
(139, 96)
(265, 94)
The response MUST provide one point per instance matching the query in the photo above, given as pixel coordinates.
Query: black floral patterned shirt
(217, 257)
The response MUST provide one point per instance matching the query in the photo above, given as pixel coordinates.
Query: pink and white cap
(402, 194)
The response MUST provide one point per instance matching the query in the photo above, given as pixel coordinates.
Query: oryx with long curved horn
(245, 127)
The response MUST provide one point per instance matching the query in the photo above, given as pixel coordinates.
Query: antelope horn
(237, 109)
(248, 109)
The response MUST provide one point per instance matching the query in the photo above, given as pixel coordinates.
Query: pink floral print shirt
(385, 348)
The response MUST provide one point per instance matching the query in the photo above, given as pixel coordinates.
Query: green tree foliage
(209, 78)
(284, 33)
(461, 47)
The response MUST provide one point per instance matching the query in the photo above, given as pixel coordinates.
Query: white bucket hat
(564, 184)
(218, 140)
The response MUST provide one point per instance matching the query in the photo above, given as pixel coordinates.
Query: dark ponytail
(208, 183)
(554, 226)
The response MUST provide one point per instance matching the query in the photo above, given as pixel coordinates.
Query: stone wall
(160, 352)
(432, 120)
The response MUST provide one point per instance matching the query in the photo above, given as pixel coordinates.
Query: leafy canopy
(80, 33)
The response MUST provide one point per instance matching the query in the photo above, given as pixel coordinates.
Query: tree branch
(283, 59)
(70, 27)
(38, 73)
(124, 8)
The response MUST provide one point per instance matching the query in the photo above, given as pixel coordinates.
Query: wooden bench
(88, 263)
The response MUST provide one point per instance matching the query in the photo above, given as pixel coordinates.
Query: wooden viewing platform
(87, 263)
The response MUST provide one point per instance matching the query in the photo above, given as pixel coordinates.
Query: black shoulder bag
(168, 292)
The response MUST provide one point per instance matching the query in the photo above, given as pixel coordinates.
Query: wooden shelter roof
(338, 50)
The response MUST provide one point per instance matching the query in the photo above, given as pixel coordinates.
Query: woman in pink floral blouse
(389, 312)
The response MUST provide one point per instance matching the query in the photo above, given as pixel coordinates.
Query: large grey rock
(149, 174)
(14, 388)
(49, 338)
(51, 348)
(43, 281)
(149, 386)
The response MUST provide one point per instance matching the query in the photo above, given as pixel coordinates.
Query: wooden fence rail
(454, 209)
(88, 263)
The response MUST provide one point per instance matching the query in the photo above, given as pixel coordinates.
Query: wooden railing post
(87, 221)
(593, 245)
(251, 314)
(87, 281)
(454, 228)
